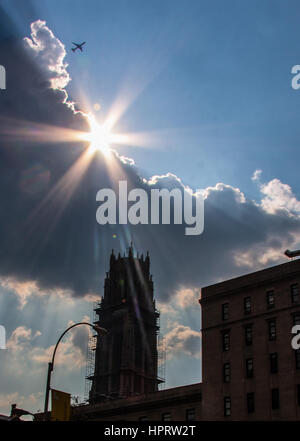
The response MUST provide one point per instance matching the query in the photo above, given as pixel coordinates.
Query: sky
(205, 94)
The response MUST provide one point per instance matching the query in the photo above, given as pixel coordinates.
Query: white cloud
(23, 290)
(166, 308)
(227, 190)
(20, 337)
(279, 202)
(279, 196)
(258, 255)
(30, 289)
(168, 178)
(51, 53)
(92, 298)
(256, 175)
(187, 297)
(183, 340)
(68, 355)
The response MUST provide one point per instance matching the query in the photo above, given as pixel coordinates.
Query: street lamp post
(98, 329)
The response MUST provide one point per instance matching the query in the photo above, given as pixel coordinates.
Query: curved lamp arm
(98, 329)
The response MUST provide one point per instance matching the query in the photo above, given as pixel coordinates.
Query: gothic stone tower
(126, 358)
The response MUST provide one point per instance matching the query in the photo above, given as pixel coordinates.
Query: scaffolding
(91, 352)
(161, 361)
(90, 357)
(161, 355)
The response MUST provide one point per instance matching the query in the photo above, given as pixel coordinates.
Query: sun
(100, 138)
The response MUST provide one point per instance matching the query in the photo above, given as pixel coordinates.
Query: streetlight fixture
(98, 329)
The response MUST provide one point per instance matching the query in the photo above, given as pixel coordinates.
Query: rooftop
(264, 276)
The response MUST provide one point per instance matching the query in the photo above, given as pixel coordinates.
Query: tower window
(249, 368)
(272, 329)
(226, 341)
(248, 335)
(250, 402)
(296, 319)
(270, 299)
(227, 406)
(226, 373)
(166, 416)
(247, 305)
(295, 293)
(190, 414)
(274, 363)
(225, 311)
(275, 398)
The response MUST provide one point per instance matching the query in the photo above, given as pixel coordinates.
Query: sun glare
(100, 138)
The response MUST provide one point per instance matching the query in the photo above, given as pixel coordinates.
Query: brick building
(250, 371)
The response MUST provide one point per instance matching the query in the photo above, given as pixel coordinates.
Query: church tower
(126, 358)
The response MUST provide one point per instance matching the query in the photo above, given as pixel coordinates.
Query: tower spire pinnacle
(130, 250)
(126, 358)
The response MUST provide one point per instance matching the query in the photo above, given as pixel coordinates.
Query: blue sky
(211, 82)
(221, 74)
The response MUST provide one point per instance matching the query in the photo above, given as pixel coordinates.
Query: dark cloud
(55, 240)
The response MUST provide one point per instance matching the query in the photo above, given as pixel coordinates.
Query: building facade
(176, 404)
(126, 358)
(250, 370)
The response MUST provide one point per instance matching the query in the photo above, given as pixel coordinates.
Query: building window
(274, 363)
(270, 299)
(226, 341)
(275, 399)
(298, 394)
(272, 329)
(296, 319)
(248, 335)
(247, 305)
(166, 416)
(190, 414)
(295, 293)
(227, 406)
(250, 402)
(226, 372)
(297, 358)
(225, 311)
(143, 418)
(249, 368)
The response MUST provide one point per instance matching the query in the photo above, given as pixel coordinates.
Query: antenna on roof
(291, 254)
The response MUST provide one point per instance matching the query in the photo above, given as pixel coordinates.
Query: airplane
(78, 46)
(291, 254)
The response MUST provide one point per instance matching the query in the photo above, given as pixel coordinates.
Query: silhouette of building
(177, 404)
(126, 358)
(250, 370)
